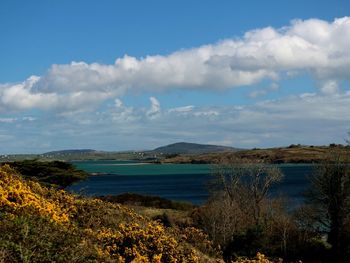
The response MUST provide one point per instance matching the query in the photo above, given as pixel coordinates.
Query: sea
(180, 182)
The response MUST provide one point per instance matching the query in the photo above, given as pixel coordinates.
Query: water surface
(183, 182)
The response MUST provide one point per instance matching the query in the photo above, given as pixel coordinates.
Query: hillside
(78, 155)
(291, 154)
(191, 148)
(71, 151)
(191, 153)
(33, 220)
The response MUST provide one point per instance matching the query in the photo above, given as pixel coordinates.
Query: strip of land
(291, 154)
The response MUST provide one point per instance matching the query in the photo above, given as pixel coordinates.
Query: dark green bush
(148, 201)
(54, 173)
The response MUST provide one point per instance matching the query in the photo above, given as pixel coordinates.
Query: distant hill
(192, 148)
(291, 154)
(68, 152)
(80, 155)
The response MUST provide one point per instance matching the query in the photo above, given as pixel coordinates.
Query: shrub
(39, 224)
(55, 173)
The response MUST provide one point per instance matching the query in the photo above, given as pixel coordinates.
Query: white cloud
(155, 111)
(118, 103)
(8, 120)
(121, 113)
(20, 96)
(206, 113)
(29, 118)
(24, 96)
(184, 109)
(16, 119)
(330, 87)
(307, 119)
(315, 46)
(74, 91)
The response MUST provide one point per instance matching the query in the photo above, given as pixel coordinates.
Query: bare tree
(247, 184)
(239, 210)
(330, 196)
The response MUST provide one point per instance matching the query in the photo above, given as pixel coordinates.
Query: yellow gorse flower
(134, 239)
(260, 258)
(18, 196)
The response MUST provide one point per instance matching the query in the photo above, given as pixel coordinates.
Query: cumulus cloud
(20, 96)
(24, 96)
(315, 46)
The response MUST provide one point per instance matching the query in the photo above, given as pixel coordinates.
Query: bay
(181, 182)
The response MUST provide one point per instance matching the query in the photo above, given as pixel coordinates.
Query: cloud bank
(315, 46)
(307, 119)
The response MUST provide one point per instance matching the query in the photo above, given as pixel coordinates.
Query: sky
(134, 75)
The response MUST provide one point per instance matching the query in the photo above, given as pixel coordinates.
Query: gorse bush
(260, 258)
(39, 224)
(146, 244)
(18, 197)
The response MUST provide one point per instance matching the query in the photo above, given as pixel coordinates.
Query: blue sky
(118, 75)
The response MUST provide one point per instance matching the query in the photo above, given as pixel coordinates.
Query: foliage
(260, 258)
(147, 201)
(32, 238)
(40, 224)
(18, 197)
(55, 173)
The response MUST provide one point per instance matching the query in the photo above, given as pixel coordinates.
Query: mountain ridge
(192, 148)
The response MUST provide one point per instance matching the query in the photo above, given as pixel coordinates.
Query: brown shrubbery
(243, 219)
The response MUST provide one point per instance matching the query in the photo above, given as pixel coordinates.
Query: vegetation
(240, 217)
(147, 201)
(243, 220)
(330, 199)
(80, 155)
(39, 224)
(192, 153)
(55, 173)
(239, 223)
(291, 154)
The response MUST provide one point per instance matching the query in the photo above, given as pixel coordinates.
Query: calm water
(185, 182)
